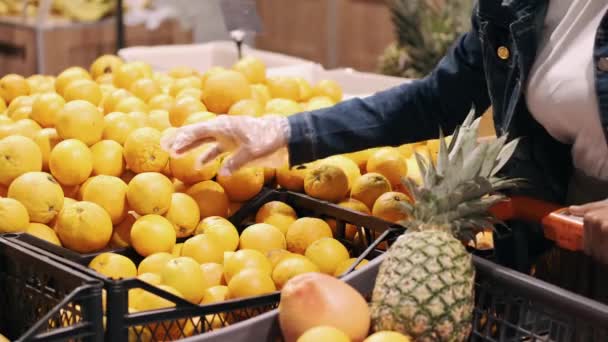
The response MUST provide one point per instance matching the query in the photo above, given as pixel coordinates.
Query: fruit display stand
(187, 319)
(42, 299)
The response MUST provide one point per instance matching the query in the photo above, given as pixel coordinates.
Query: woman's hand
(595, 235)
(248, 138)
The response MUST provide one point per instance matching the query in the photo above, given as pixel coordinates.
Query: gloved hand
(252, 141)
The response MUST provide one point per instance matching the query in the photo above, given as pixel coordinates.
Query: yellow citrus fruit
(84, 227)
(328, 88)
(319, 102)
(277, 255)
(68, 76)
(211, 198)
(177, 249)
(188, 82)
(245, 259)
(406, 150)
(126, 74)
(346, 264)
(389, 206)
(71, 162)
(352, 204)
(250, 282)
(246, 107)
(2, 105)
(252, 68)
(233, 207)
(262, 237)
(18, 155)
(413, 172)
(185, 275)
(140, 300)
(243, 184)
(80, 120)
(387, 336)
(213, 274)
(121, 237)
(152, 234)
(45, 109)
(143, 152)
(105, 64)
(215, 294)
(39, 84)
(154, 263)
(21, 113)
(324, 333)
(305, 89)
(221, 230)
(40, 193)
(150, 193)
(131, 104)
(145, 89)
(282, 107)
(327, 253)
(110, 193)
(260, 93)
(269, 175)
(198, 117)
(326, 182)
(185, 167)
(284, 87)
(274, 208)
(13, 216)
(203, 248)
(182, 71)
(12, 86)
(389, 163)
(118, 126)
(114, 266)
(46, 139)
(150, 278)
(191, 92)
(111, 101)
(347, 165)
(304, 231)
(106, 80)
(369, 187)
(19, 102)
(292, 178)
(108, 158)
(86, 90)
(182, 108)
(282, 222)
(291, 266)
(44, 232)
(159, 119)
(161, 102)
(223, 89)
(212, 71)
(183, 213)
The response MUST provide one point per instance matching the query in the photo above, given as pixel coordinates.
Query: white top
(561, 92)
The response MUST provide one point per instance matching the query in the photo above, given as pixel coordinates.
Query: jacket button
(504, 53)
(602, 63)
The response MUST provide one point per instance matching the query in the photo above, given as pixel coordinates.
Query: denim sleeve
(410, 112)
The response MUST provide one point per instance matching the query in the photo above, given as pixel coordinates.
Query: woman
(542, 65)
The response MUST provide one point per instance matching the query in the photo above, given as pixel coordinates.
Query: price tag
(241, 15)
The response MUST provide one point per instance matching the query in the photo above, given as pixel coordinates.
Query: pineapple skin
(425, 288)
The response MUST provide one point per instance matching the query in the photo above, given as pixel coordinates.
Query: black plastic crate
(187, 319)
(44, 300)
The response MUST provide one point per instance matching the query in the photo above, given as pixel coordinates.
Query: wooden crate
(26, 49)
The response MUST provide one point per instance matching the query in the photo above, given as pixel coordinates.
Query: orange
(108, 158)
(2, 105)
(234, 207)
(243, 184)
(280, 221)
(277, 255)
(327, 254)
(246, 107)
(388, 162)
(143, 152)
(198, 117)
(291, 266)
(260, 93)
(150, 278)
(84, 227)
(252, 68)
(40, 193)
(44, 232)
(20, 102)
(213, 274)
(182, 71)
(105, 64)
(183, 213)
(223, 89)
(150, 193)
(212, 71)
(389, 207)
(274, 208)
(346, 264)
(369, 187)
(292, 178)
(114, 266)
(159, 119)
(13, 216)
(326, 182)
(20, 113)
(185, 275)
(68, 76)
(413, 171)
(269, 175)
(305, 89)
(211, 198)
(121, 237)
(118, 126)
(284, 107)
(39, 84)
(80, 120)
(18, 155)
(221, 230)
(406, 150)
(215, 294)
(110, 193)
(349, 167)
(131, 104)
(250, 282)
(203, 249)
(177, 249)
(154, 263)
(111, 101)
(186, 170)
(71, 162)
(152, 234)
(45, 109)
(161, 102)
(262, 237)
(107, 80)
(12, 86)
(304, 231)
(324, 333)
(319, 102)
(188, 82)
(328, 88)
(126, 74)
(352, 204)
(245, 259)
(141, 300)
(284, 87)
(192, 92)
(86, 90)
(387, 336)
(145, 89)
(182, 108)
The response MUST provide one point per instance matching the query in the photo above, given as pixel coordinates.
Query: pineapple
(425, 284)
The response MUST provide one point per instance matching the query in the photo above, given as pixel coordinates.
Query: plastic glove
(252, 141)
